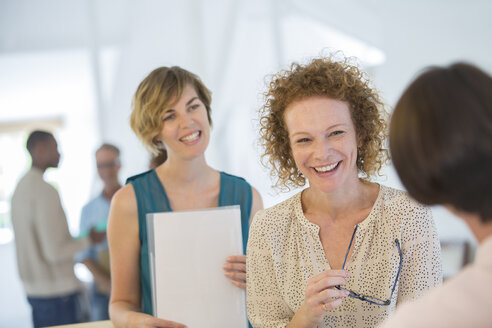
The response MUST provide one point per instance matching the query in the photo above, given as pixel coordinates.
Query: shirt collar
(299, 213)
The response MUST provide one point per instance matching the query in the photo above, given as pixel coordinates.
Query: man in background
(95, 215)
(44, 246)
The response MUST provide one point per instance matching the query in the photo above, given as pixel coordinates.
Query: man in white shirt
(441, 145)
(44, 246)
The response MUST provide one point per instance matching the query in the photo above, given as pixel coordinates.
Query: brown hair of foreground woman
(441, 141)
(441, 138)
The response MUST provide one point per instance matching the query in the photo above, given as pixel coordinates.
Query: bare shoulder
(125, 198)
(124, 207)
(257, 203)
(257, 200)
(125, 193)
(255, 192)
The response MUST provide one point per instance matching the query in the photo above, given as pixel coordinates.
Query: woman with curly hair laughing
(345, 251)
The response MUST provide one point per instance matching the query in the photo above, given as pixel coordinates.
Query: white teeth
(191, 137)
(326, 168)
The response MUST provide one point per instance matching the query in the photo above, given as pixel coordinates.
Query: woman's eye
(169, 117)
(334, 133)
(195, 106)
(303, 140)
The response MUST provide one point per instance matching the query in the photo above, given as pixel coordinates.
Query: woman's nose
(321, 149)
(185, 120)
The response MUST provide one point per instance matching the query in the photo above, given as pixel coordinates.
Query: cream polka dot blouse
(284, 251)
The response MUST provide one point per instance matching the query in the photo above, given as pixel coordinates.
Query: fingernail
(347, 274)
(227, 274)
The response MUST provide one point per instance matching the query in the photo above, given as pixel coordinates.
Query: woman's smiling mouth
(191, 137)
(327, 168)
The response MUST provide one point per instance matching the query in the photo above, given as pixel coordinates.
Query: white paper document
(187, 250)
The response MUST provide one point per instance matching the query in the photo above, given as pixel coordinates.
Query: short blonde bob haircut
(160, 90)
(321, 77)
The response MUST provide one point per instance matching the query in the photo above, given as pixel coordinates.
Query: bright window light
(306, 38)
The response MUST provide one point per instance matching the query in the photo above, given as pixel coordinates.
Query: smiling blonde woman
(171, 115)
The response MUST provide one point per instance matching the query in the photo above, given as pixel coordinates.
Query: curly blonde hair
(325, 77)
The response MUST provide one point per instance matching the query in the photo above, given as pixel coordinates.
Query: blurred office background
(72, 66)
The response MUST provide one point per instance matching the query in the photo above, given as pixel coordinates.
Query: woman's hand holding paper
(235, 269)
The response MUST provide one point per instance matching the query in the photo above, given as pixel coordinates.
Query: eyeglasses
(108, 165)
(367, 298)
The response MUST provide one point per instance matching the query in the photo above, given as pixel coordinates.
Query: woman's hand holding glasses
(321, 296)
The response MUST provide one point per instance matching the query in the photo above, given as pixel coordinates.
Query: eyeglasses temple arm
(399, 267)
(350, 245)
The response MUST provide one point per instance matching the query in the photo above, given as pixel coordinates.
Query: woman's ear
(359, 141)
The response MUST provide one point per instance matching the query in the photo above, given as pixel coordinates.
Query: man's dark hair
(35, 137)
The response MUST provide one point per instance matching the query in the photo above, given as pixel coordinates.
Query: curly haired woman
(345, 251)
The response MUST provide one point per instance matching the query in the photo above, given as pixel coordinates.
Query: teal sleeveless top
(151, 198)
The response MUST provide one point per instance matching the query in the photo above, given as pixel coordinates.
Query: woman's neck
(190, 174)
(39, 166)
(480, 229)
(482, 232)
(359, 195)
